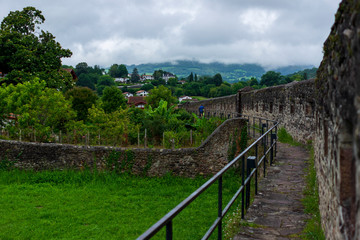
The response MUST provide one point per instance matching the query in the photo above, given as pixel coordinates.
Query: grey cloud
(267, 32)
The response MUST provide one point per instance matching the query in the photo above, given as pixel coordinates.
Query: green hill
(230, 72)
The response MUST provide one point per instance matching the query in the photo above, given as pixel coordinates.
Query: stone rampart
(337, 138)
(205, 160)
(224, 107)
(293, 105)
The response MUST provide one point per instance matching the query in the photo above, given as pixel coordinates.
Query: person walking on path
(201, 110)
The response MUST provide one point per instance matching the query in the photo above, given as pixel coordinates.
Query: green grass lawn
(199, 97)
(85, 205)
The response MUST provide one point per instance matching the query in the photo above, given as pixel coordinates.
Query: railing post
(271, 148)
(220, 208)
(264, 145)
(273, 138)
(169, 231)
(242, 182)
(256, 175)
(253, 127)
(276, 132)
(250, 163)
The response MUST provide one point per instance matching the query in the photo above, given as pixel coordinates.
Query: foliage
(82, 98)
(285, 137)
(313, 228)
(159, 93)
(24, 53)
(135, 77)
(37, 107)
(117, 71)
(112, 99)
(104, 81)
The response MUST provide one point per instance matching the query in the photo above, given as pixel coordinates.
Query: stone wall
(293, 105)
(225, 107)
(207, 159)
(337, 139)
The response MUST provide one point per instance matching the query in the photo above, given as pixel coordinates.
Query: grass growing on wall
(285, 137)
(103, 205)
(313, 228)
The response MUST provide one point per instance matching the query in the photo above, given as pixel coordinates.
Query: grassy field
(85, 205)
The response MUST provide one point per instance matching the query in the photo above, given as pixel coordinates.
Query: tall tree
(135, 77)
(25, 53)
(112, 99)
(271, 78)
(82, 98)
(103, 82)
(191, 77)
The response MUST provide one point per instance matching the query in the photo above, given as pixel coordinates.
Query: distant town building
(122, 80)
(167, 76)
(183, 98)
(72, 72)
(127, 94)
(145, 77)
(142, 93)
(136, 101)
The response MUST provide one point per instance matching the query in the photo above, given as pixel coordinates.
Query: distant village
(138, 99)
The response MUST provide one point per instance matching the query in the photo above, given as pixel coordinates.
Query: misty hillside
(229, 72)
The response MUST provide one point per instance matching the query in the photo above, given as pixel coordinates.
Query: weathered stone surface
(293, 105)
(206, 160)
(277, 210)
(337, 137)
(220, 107)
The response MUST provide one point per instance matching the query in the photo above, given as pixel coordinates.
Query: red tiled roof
(136, 100)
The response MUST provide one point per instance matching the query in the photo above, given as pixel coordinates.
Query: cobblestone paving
(277, 212)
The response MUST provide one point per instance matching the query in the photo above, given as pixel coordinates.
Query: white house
(167, 76)
(145, 77)
(142, 93)
(122, 80)
(127, 94)
(182, 98)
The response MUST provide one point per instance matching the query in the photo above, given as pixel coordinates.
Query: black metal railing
(253, 165)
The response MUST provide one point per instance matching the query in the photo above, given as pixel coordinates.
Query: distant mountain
(292, 69)
(229, 72)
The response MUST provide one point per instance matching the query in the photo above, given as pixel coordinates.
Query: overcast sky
(268, 32)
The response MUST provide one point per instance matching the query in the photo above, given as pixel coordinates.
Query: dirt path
(277, 212)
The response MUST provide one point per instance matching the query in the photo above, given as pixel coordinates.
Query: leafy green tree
(158, 74)
(253, 81)
(39, 109)
(271, 78)
(88, 80)
(81, 68)
(123, 70)
(147, 87)
(191, 77)
(82, 98)
(112, 99)
(135, 77)
(158, 82)
(217, 79)
(237, 86)
(159, 93)
(104, 81)
(172, 82)
(118, 71)
(25, 53)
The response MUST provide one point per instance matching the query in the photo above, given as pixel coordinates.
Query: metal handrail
(167, 219)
